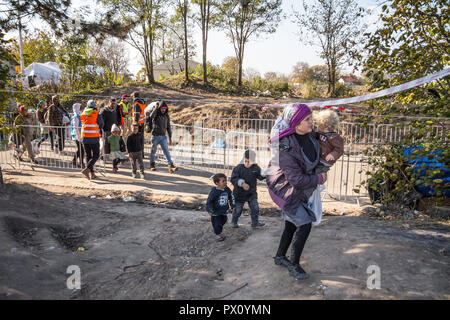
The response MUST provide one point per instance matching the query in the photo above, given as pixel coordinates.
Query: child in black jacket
(134, 148)
(244, 178)
(220, 199)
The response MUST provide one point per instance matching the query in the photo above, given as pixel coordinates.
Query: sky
(277, 52)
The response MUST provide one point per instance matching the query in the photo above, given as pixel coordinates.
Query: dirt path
(149, 250)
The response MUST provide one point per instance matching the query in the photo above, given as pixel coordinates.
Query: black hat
(162, 103)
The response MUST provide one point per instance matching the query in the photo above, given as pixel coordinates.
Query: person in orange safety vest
(91, 125)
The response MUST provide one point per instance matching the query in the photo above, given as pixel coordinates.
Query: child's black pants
(218, 222)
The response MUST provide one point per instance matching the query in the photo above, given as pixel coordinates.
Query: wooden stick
(245, 284)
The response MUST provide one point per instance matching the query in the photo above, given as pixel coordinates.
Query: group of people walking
(99, 130)
(301, 158)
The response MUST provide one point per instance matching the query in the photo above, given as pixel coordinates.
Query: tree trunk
(186, 50)
(333, 78)
(205, 69)
(146, 53)
(150, 49)
(329, 79)
(163, 58)
(240, 60)
(205, 10)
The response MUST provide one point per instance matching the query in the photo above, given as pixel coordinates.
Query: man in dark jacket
(158, 123)
(244, 178)
(110, 116)
(54, 118)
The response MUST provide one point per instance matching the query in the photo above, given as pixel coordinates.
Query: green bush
(392, 179)
(311, 89)
(343, 90)
(278, 86)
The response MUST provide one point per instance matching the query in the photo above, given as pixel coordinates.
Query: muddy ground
(161, 245)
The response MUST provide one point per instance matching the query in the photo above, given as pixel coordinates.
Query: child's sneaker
(220, 238)
(152, 166)
(258, 224)
(134, 175)
(142, 176)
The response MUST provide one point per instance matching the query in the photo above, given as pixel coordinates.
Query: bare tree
(180, 26)
(244, 19)
(113, 55)
(146, 15)
(204, 20)
(270, 76)
(250, 73)
(334, 26)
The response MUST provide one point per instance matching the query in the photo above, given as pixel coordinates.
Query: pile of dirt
(185, 103)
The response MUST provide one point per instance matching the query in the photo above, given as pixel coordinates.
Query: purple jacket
(288, 181)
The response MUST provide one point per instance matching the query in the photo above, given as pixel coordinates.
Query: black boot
(282, 261)
(172, 168)
(298, 273)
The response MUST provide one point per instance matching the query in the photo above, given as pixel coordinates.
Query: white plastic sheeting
(39, 73)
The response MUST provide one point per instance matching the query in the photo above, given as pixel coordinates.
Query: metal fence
(215, 149)
(346, 175)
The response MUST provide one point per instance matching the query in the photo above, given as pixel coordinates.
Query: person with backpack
(158, 124)
(23, 133)
(55, 118)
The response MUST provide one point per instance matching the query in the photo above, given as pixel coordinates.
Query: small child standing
(114, 147)
(331, 143)
(220, 199)
(134, 148)
(244, 179)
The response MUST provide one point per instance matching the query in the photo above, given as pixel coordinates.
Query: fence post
(224, 155)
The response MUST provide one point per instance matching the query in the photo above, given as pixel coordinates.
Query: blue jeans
(254, 211)
(161, 140)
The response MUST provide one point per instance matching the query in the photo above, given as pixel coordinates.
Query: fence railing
(210, 149)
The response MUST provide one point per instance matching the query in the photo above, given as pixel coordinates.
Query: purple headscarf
(301, 112)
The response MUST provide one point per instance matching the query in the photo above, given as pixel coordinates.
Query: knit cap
(115, 127)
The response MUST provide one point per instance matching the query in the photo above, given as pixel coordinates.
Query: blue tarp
(437, 162)
(219, 143)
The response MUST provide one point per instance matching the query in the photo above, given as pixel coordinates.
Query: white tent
(40, 73)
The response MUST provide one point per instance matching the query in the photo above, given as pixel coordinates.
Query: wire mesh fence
(206, 148)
